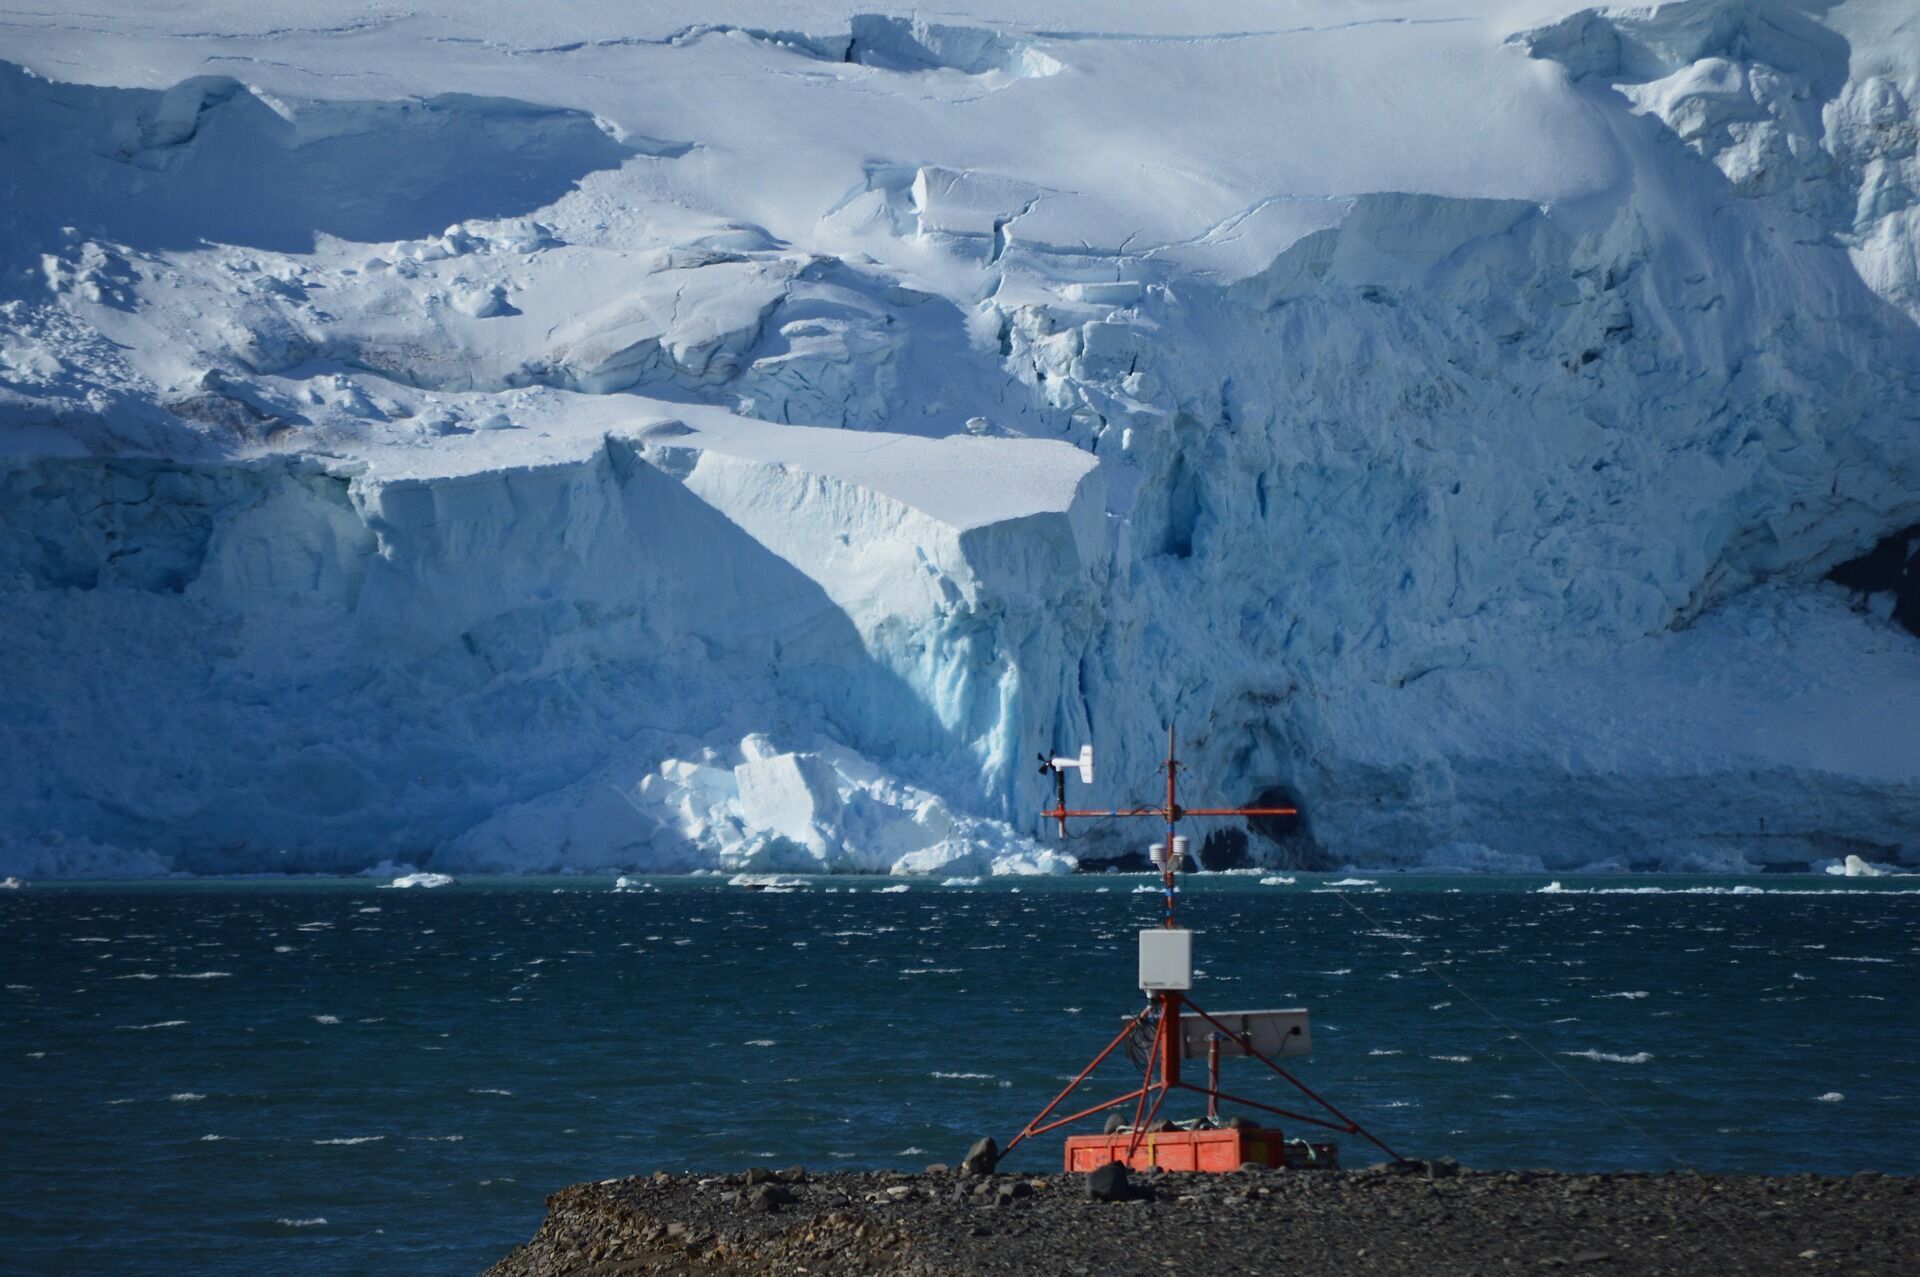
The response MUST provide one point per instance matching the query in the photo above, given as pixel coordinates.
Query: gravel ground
(1428, 1220)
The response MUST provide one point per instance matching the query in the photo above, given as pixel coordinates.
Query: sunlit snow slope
(607, 435)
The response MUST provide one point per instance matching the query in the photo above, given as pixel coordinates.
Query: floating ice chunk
(1277, 880)
(1831, 1097)
(1855, 867)
(893, 890)
(766, 882)
(422, 880)
(1608, 1057)
(10, 883)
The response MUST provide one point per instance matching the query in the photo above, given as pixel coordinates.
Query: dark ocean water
(321, 1077)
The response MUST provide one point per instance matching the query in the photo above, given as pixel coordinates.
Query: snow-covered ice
(668, 438)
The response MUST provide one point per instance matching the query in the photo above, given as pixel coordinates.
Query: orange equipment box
(1214, 1150)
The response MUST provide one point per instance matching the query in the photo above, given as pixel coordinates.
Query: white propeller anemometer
(1083, 764)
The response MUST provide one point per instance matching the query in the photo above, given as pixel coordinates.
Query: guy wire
(1517, 1036)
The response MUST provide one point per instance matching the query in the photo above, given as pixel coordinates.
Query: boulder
(981, 1158)
(1108, 1184)
(765, 1199)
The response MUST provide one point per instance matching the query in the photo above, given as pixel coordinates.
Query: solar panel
(1273, 1033)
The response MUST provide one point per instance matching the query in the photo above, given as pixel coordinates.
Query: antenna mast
(1178, 1025)
(1174, 850)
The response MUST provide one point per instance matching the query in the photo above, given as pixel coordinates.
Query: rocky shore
(1417, 1219)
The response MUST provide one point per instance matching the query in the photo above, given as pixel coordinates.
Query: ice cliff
(591, 439)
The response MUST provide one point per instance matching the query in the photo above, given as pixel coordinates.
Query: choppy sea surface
(320, 1076)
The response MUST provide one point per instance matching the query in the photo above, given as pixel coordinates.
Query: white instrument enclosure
(1166, 959)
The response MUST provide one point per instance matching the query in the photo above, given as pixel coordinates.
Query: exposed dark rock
(1329, 1222)
(1126, 862)
(1893, 564)
(1108, 1184)
(768, 1198)
(1292, 845)
(981, 1158)
(1224, 849)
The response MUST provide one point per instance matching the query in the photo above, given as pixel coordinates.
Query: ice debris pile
(642, 443)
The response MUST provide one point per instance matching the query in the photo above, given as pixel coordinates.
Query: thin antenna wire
(1517, 1036)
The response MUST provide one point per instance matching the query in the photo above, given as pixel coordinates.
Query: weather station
(1173, 1029)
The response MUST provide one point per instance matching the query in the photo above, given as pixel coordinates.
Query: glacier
(523, 441)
